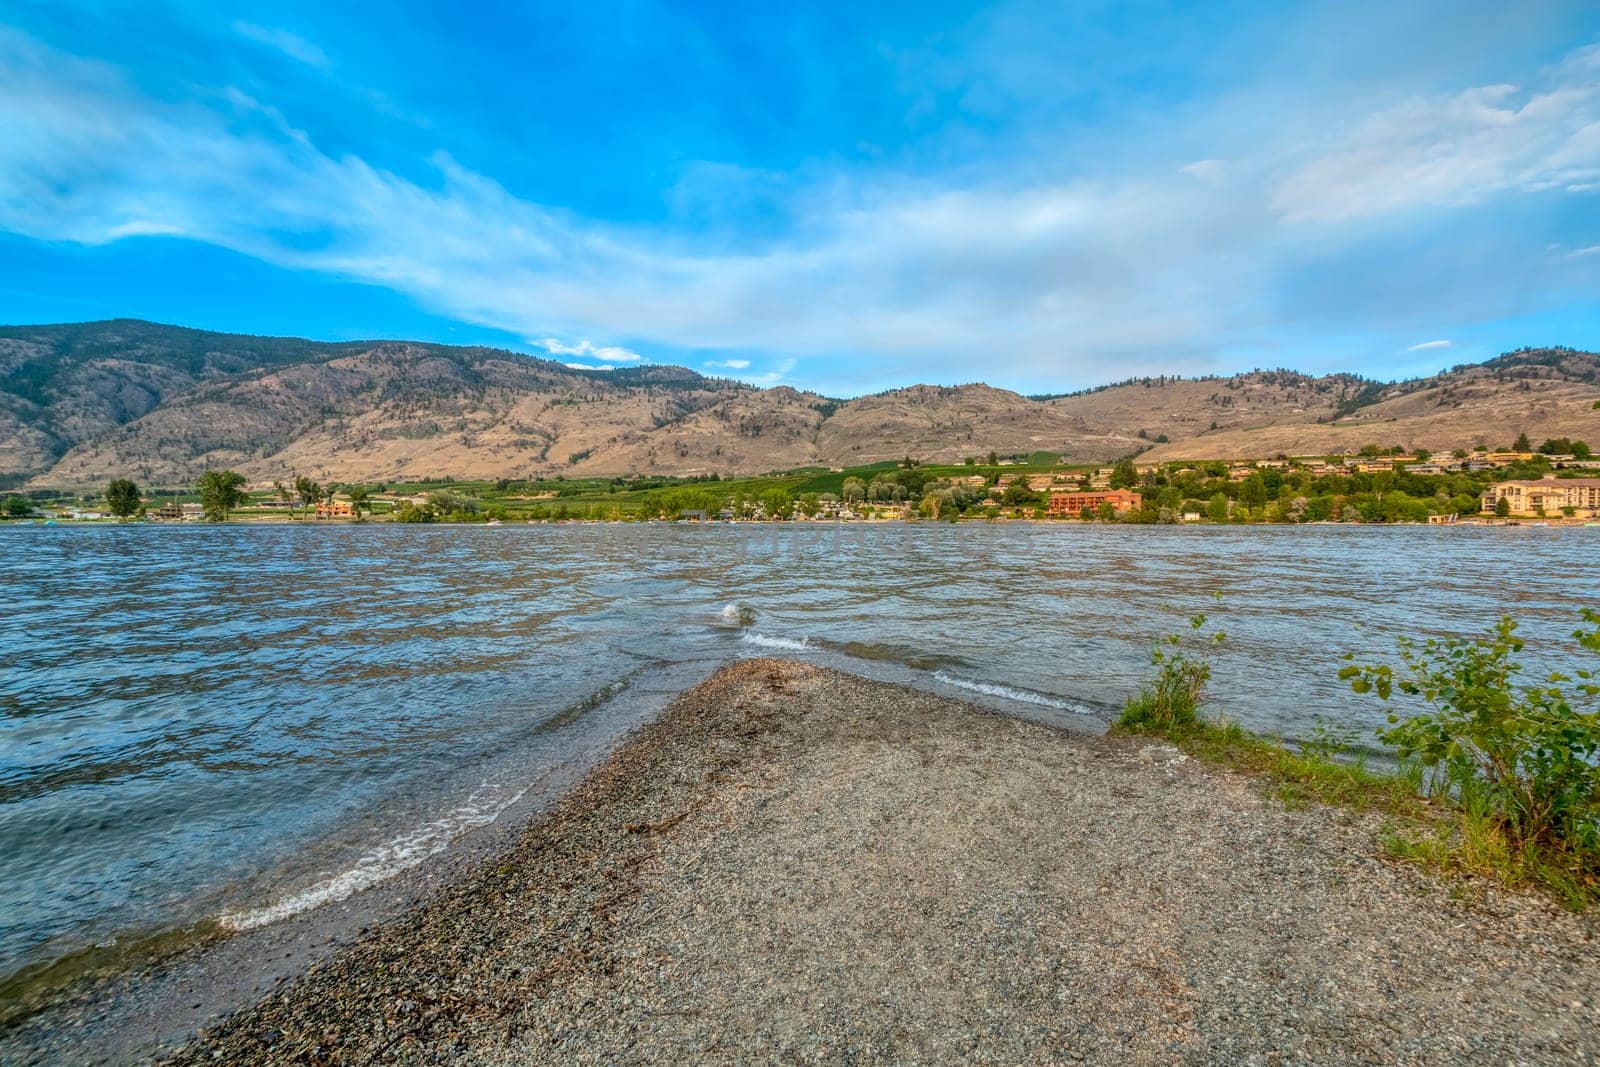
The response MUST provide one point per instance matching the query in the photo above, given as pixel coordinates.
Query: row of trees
(308, 494)
(222, 492)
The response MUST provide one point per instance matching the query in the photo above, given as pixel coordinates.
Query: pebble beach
(793, 864)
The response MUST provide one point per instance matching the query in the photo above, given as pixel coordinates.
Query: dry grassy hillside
(1544, 394)
(745, 430)
(81, 404)
(1180, 409)
(948, 424)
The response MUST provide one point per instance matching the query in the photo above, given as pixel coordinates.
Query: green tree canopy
(308, 491)
(1124, 475)
(122, 498)
(220, 493)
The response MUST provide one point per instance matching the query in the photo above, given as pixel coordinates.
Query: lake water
(244, 722)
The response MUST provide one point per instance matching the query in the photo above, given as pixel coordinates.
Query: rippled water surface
(245, 721)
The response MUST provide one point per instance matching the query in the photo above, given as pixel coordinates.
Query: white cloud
(290, 44)
(1207, 170)
(778, 375)
(729, 364)
(1427, 345)
(1450, 151)
(584, 348)
(585, 366)
(1054, 274)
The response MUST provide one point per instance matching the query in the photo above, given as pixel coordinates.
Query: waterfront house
(335, 509)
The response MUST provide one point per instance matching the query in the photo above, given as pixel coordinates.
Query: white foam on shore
(1005, 692)
(384, 862)
(788, 644)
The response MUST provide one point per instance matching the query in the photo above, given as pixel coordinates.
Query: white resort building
(1548, 496)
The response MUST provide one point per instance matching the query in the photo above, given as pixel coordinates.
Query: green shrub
(1525, 758)
(1171, 701)
(409, 512)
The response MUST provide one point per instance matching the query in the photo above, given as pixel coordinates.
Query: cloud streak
(584, 348)
(290, 44)
(1427, 346)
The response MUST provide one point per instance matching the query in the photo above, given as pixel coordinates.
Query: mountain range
(82, 403)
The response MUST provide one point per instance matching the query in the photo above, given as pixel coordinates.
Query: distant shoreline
(275, 521)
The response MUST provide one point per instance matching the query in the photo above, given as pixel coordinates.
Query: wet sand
(796, 864)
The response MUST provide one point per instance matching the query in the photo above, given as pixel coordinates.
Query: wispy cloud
(1207, 170)
(1094, 276)
(290, 44)
(778, 374)
(728, 364)
(586, 366)
(584, 348)
(1429, 345)
(1446, 151)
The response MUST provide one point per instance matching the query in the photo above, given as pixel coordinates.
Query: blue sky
(1038, 195)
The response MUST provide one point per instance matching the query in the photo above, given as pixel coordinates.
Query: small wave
(788, 644)
(736, 614)
(1021, 696)
(384, 862)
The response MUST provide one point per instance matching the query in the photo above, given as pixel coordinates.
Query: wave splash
(1021, 696)
(736, 614)
(384, 862)
(787, 644)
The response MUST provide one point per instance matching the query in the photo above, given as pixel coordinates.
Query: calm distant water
(245, 721)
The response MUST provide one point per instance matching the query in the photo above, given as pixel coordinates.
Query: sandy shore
(795, 864)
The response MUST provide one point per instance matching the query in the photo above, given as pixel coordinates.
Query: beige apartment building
(1548, 496)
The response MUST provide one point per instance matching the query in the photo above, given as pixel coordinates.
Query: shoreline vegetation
(791, 862)
(1497, 778)
(1375, 485)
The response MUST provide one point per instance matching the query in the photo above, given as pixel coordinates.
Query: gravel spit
(796, 864)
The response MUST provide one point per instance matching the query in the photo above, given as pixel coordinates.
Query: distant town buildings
(1548, 496)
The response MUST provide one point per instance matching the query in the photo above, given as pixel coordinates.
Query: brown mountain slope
(80, 404)
(1543, 393)
(744, 430)
(1181, 408)
(949, 423)
(388, 411)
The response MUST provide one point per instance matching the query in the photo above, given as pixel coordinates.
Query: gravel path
(794, 864)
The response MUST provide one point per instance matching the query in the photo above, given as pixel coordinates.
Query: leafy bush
(1171, 701)
(1524, 757)
(409, 512)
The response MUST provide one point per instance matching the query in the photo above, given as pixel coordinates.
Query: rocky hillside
(83, 403)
